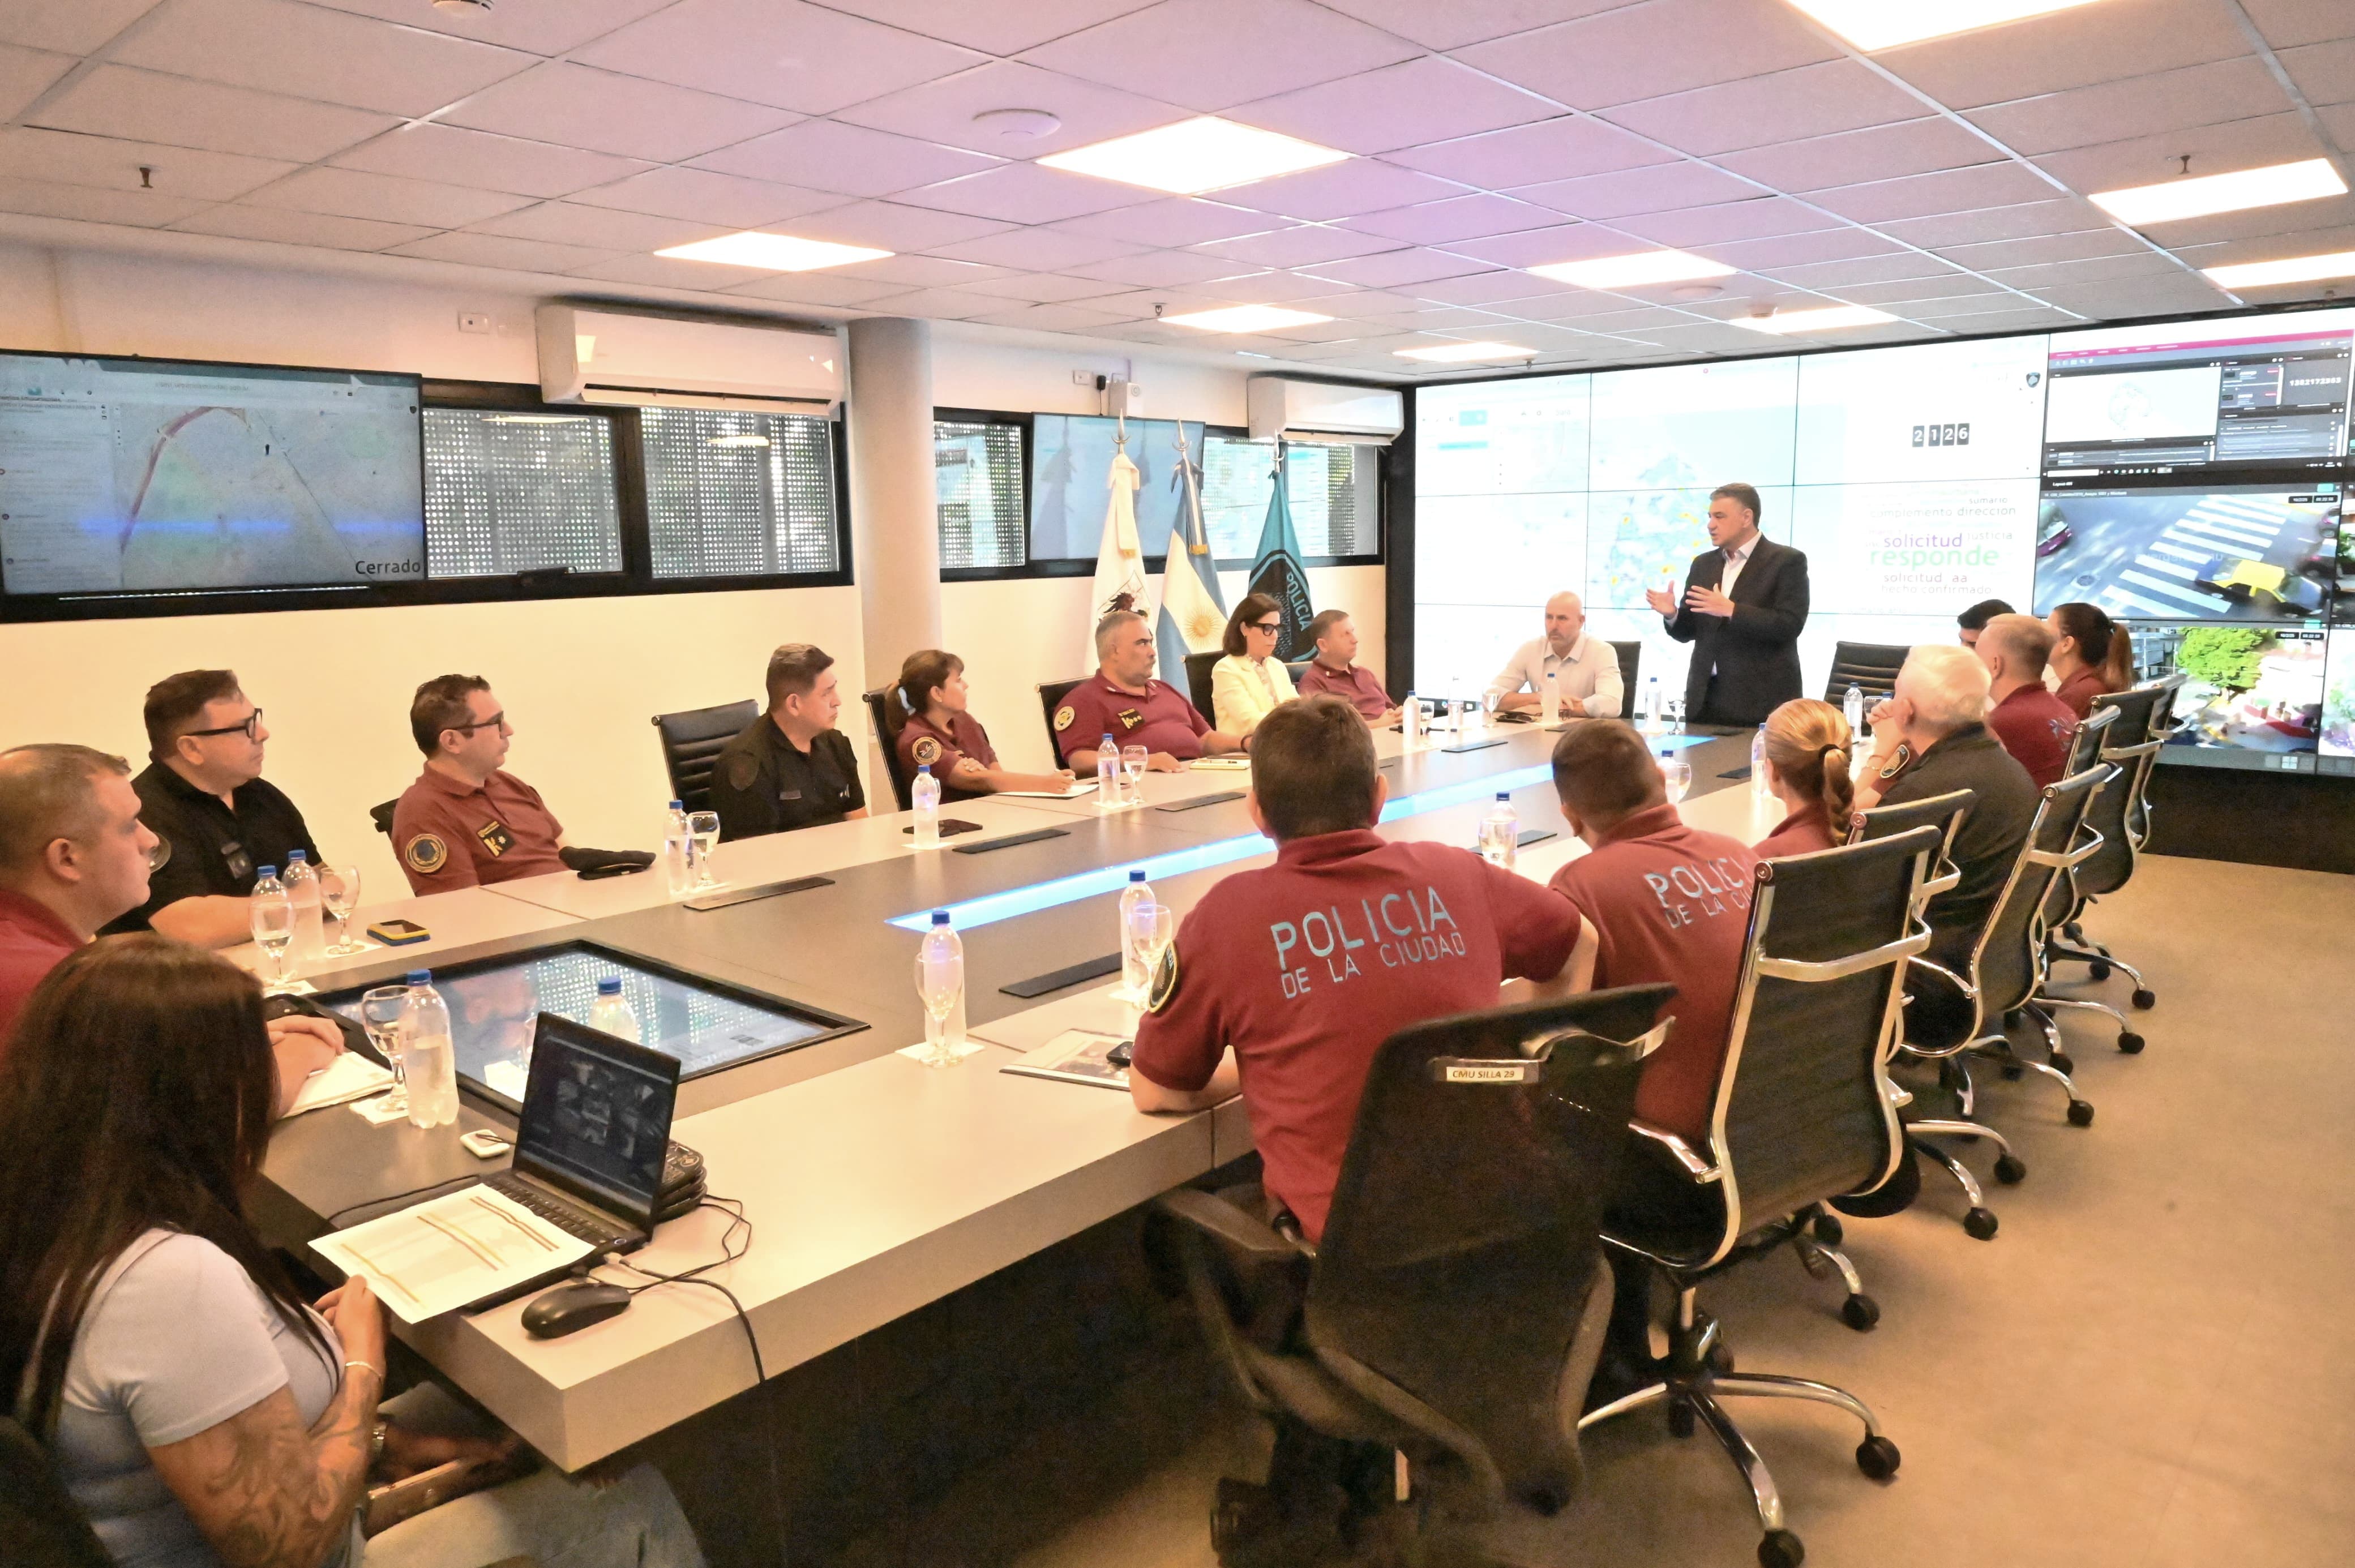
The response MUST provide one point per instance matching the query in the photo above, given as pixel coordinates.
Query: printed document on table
(1079, 788)
(452, 1252)
(351, 1077)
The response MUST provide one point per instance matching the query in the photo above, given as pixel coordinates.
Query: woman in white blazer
(1247, 684)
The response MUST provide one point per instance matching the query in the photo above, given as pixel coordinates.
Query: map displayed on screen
(129, 475)
(1688, 425)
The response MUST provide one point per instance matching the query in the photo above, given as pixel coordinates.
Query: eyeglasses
(1270, 627)
(250, 727)
(496, 721)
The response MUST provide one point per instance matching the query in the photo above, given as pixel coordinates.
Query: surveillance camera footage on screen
(2190, 478)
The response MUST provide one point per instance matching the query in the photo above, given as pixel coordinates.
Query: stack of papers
(351, 1077)
(452, 1252)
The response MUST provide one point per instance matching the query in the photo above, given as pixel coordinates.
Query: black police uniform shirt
(212, 849)
(1991, 836)
(762, 783)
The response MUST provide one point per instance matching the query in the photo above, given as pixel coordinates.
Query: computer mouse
(559, 1312)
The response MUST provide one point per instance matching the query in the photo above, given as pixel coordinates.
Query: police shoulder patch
(743, 769)
(1165, 981)
(426, 854)
(926, 750)
(1065, 715)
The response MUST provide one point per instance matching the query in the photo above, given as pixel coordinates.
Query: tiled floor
(2145, 1369)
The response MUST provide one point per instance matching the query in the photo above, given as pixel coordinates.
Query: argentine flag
(1193, 611)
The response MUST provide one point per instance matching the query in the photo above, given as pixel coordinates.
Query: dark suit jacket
(1755, 650)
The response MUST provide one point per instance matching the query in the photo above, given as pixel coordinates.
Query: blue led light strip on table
(993, 907)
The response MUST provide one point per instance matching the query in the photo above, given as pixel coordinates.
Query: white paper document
(351, 1077)
(1079, 787)
(452, 1252)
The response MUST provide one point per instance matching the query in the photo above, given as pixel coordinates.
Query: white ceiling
(563, 140)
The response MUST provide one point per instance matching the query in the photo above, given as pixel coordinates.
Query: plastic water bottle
(926, 794)
(679, 850)
(1411, 720)
(426, 1057)
(302, 891)
(1852, 705)
(1500, 833)
(1132, 977)
(1551, 703)
(614, 1016)
(1652, 705)
(1758, 761)
(940, 944)
(271, 917)
(1107, 775)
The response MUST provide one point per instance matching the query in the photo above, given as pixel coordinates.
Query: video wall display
(2187, 478)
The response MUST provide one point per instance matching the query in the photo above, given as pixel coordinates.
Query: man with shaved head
(1585, 669)
(2034, 725)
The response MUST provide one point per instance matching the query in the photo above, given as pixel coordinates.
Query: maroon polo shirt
(1354, 685)
(2077, 693)
(963, 747)
(1304, 967)
(33, 941)
(1801, 833)
(1159, 720)
(452, 834)
(2033, 725)
(1670, 902)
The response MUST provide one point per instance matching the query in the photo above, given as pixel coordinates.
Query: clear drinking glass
(1151, 928)
(940, 980)
(705, 827)
(1131, 766)
(381, 1014)
(1490, 700)
(273, 933)
(339, 894)
(1676, 773)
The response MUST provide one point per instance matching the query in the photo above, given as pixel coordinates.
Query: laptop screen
(596, 1117)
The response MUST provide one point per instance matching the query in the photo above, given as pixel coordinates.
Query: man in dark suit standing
(1745, 603)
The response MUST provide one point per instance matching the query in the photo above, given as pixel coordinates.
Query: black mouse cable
(396, 1197)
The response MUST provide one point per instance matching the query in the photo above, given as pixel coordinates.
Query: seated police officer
(1284, 981)
(790, 767)
(465, 823)
(205, 797)
(1123, 700)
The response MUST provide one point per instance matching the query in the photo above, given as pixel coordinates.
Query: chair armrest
(1699, 1169)
(1208, 1212)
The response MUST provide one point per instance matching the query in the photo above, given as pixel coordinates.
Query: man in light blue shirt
(1585, 669)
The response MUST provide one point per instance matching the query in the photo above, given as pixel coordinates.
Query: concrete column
(894, 503)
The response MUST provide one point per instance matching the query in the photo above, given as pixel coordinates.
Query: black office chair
(41, 1525)
(1198, 683)
(902, 785)
(1296, 668)
(691, 744)
(1050, 697)
(2122, 816)
(1804, 1112)
(1631, 660)
(1455, 1322)
(381, 815)
(1872, 665)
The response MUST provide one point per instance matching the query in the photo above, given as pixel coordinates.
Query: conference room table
(875, 1185)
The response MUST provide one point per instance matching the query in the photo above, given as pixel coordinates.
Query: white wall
(581, 678)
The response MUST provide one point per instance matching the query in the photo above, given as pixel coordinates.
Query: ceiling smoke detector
(1019, 124)
(1696, 292)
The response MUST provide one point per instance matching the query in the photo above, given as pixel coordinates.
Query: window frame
(634, 580)
(1066, 566)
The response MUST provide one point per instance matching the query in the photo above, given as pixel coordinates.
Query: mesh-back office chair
(41, 1525)
(902, 785)
(1198, 683)
(1804, 1112)
(1456, 1322)
(2122, 816)
(1631, 661)
(1872, 665)
(1050, 697)
(691, 744)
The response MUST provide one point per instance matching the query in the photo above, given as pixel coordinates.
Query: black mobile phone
(598, 873)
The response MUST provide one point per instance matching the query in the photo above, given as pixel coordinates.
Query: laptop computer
(595, 1134)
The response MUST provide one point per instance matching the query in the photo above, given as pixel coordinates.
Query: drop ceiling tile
(2138, 106)
(992, 27)
(1297, 247)
(2029, 220)
(1961, 309)
(1627, 192)
(608, 113)
(1578, 305)
(598, 228)
(497, 251)
(2325, 73)
(1398, 269)
(1651, 49)
(1762, 111)
(671, 272)
(2287, 23)
(1558, 149)
(1340, 190)
(1466, 21)
(2050, 248)
(1277, 286)
(540, 29)
(1174, 221)
(891, 226)
(1213, 54)
(1987, 323)
(1049, 318)
(285, 227)
(1458, 218)
(57, 156)
(140, 105)
(2268, 247)
(1712, 338)
(2137, 296)
(1445, 318)
(918, 272)
(2035, 280)
(708, 197)
(26, 74)
(2214, 150)
(94, 204)
(946, 111)
(2067, 49)
(1160, 269)
(1909, 292)
(2003, 184)
(825, 288)
(331, 56)
(1403, 105)
(949, 304)
(1146, 306)
(455, 155)
(826, 155)
(75, 29)
(1855, 158)
(1037, 250)
(1792, 250)
(1045, 288)
(1891, 268)
(1025, 193)
(2289, 224)
(779, 52)
(350, 193)
(1759, 217)
(2338, 122)
(1355, 304)
(1506, 291)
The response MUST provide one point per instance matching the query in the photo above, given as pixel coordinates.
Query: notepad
(452, 1252)
(350, 1077)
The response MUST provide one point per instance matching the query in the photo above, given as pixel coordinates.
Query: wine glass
(1151, 928)
(1131, 766)
(1676, 773)
(381, 1011)
(273, 931)
(704, 825)
(339, 894)
(1490, 700)
(940, 981)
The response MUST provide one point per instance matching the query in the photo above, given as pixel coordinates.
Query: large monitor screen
(150, 475)
(2259, 553)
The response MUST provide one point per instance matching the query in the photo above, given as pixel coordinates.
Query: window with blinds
(1335, 493)
(978, 467)
(513, 491)
(739, 494)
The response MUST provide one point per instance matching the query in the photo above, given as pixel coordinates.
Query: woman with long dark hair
(1247, 685)
(932, 727)
(2091, 656)
(1807, 754)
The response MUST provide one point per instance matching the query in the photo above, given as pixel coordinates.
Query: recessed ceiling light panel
(776, 253)
(1246, 319)
(1195, 155)
(1885, 24)
(1458, 353)
(2289, 270)
(1831, 318)
(2273, 186)
(1634, 271)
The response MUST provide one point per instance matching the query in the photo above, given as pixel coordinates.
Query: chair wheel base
(1781, 1549)
(1878, 1457)
(1680, 1419)
(1828, 1230)
(2099, 971)
(2080, 1113)
(2011, 1071)
(1861, 1313)
(2011, 1170)
(2064, 1063)
(1980, 1224)
(2131, 1043)
(2144, 998)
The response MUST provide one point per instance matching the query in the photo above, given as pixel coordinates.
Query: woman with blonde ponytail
(1807, 757)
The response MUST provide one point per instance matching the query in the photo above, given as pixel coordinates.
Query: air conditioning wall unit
(1318, 411)
(634, 361)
